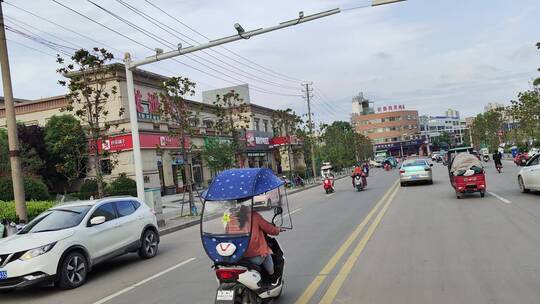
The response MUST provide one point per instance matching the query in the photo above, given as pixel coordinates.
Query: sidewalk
(175, 220)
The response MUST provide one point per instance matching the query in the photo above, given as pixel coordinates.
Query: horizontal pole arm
(245, 35)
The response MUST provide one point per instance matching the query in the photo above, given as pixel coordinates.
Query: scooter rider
(358, 172)
(497, 156)
(258, 252)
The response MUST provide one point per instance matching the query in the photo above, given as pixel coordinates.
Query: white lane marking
(500, 197)
(296, 210)
(118, 293)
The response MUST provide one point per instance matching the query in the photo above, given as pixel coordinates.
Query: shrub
(34, 189)
(89, 188)
(123, 185)
(7, 209)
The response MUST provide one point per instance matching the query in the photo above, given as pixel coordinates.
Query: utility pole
(310, 126)
(14, 147)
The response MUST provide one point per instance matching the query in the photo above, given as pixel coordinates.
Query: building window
(146, 107)
(257, 121)
(208, 124)
(265, 125)
(193, 122)
(156, 127)
(106, 166)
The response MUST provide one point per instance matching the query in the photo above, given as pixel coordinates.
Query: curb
(196, 221)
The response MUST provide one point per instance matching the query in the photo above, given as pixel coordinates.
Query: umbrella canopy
(242, 183)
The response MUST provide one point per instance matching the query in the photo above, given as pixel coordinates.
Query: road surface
(388, 244)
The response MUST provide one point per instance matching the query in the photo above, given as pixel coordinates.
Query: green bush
(34, 189)
(123, 185)
(88, 189)
(7, 209)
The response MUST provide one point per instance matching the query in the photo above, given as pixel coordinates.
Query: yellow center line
(327, 269)
(334, 288)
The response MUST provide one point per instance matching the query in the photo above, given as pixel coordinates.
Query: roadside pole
(310, 126)
(14, 147)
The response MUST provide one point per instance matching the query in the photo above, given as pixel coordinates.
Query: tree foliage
(342, 146)
(232, 119)
(486, 128)
(67, 145)
(218, 154)
(89, 97)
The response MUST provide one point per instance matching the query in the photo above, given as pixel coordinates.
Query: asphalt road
(388, 244)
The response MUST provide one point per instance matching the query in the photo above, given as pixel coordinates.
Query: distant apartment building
(434, 126)
(390, 127)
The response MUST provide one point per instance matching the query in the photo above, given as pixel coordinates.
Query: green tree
(232, 119)
(175, 110)
(67, 146)
(340, 144)
(31, 160)
(89, 96)
(218, 154)
(443, 140)
(486, 128)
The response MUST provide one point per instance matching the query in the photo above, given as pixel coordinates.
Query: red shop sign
(148, 141)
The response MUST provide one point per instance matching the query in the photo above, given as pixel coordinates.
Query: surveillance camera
(179, 45)
(159, 51)
(300, 14)
(239, 28)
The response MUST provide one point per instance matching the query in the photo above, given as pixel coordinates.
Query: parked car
(529, 175)
(415, 170)
(64, 243)
(267, 199)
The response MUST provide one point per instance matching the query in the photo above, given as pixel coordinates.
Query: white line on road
(118, 293)
(294, 211)
(500, 198)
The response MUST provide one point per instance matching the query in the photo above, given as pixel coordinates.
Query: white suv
(62, 244)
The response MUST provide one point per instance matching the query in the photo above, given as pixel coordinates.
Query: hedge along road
(181, 272)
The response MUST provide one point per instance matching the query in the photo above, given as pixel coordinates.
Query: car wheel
(522, 185)
(430, 182)
(73, 270)
(149, 244)
(482, 194)
(402, 184)
(459, 195)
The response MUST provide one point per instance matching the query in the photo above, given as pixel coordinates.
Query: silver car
(415, 170)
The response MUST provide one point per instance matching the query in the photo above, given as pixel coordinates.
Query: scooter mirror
(278, 210)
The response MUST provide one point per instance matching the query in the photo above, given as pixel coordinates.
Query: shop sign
(284, 140)
(398, 145)
(256, 154)
(147, 141)
(257, 139)
(148, 107)
(390, 108)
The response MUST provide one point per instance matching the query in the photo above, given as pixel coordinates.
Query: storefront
(258, 149)
(287, 151)
(410, 147)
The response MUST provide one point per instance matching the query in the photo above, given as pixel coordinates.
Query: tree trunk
(187, 173)
(97, 166)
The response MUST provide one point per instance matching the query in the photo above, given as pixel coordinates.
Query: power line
(172, 32)
(19, 22)
(31, 48)
(265, 70)
(40, 40)
(164, 42)
(63, 27)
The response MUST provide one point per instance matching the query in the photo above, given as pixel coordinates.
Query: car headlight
(32, 253)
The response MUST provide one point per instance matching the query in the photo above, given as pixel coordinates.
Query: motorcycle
(358, 183)
(498, 167)
(328, 185)
(227, 239)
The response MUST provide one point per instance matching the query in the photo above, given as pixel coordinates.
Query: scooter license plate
(225, 295)
(3, 275)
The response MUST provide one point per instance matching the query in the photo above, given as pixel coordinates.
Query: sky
(429, 55)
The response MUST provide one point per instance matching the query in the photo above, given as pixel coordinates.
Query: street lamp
(241, 34)
(401, 143)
